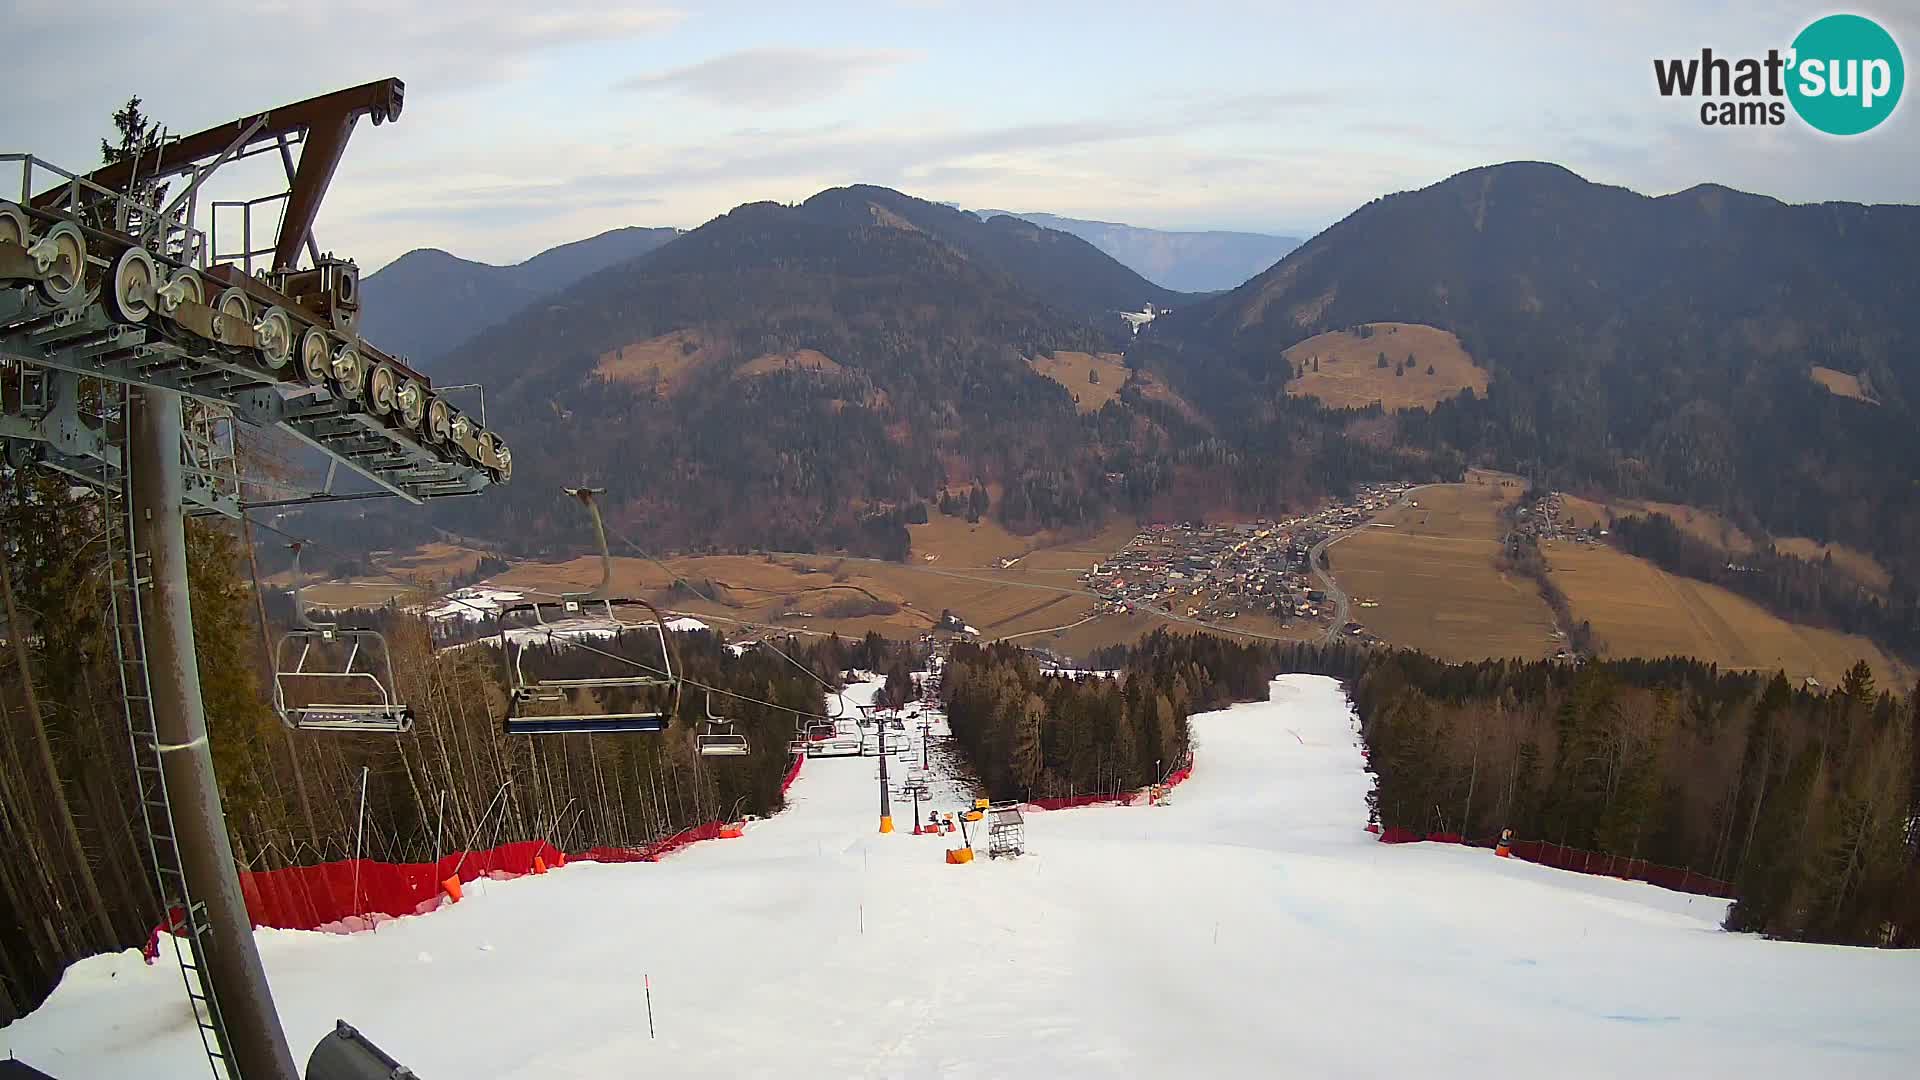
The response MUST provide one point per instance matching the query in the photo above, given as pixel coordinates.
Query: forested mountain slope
(427, 302)
(1646, 346)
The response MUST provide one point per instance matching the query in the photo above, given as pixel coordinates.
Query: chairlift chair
(713, 742)
(564, 706)
(315, 690)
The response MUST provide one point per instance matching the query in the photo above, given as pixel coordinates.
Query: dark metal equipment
(132, 350)
(644, 697)
(1006, 832)
(99, 281)
(718, 737)
(327, 677)
(345, 1054)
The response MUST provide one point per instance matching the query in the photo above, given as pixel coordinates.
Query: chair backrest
(327, 678)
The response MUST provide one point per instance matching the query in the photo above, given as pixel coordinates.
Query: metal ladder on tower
(129, 570)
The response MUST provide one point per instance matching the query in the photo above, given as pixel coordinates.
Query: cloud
(275, 51)
(773, 77)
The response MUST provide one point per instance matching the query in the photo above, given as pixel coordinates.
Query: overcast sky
(529, 124)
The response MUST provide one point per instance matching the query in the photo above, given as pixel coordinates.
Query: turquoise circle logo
(1847, 74)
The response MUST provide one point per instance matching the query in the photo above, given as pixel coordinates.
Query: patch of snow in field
(473, 604)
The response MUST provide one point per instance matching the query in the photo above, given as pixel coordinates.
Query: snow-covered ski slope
(1249, 929)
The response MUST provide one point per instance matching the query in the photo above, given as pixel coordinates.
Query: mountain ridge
(1192, 261)
(426, 302)
(1657, 346)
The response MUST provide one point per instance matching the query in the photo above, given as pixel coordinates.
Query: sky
(532, 124)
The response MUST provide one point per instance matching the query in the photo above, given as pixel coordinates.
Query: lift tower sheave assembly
(133, 345)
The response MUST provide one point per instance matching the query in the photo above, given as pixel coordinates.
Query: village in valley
(1218, 572)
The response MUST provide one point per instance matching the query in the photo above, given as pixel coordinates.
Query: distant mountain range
(802, 376)
(1060, 267)
(1194, 262)
(795, 376)
(1659, 347)
(427, 301)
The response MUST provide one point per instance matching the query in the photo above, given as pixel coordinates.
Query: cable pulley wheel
(133, 286)
(411, 400)
(182, 287)
(13, 226)
(350, 372)
(315, 355)
(62, 257)
(232, 306)
(274, 333)
(381, 386)
(439, 421)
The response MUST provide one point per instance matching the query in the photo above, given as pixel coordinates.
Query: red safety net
(654, 852)
(1676, 878)
(1561, 857)
(354, 894)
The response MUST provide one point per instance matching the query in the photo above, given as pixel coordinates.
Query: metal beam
(318, 158)
(381, 99)
(233, 967)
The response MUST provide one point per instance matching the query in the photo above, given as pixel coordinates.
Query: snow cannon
(346, 1054)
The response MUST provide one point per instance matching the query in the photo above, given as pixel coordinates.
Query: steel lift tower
(131, 348)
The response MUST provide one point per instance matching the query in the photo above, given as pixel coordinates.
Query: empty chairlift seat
(718, 738)
(328, 677)
(609, 661)
(614, 692)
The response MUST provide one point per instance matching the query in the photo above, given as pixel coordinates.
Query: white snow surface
(473, 604)
(1251, 928)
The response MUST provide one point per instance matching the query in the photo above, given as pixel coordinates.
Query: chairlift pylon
(713, 742)
(563, 706)
(319, 691)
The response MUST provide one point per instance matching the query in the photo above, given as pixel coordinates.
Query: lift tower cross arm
(321, 124)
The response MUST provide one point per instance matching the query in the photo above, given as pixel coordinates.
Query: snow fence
(1562, 857)
(355, 894)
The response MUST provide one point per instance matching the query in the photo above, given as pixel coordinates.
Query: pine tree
(1028, 760)
(136, 135)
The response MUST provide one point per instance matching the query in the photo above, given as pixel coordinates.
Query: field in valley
(1637, 609)
(1432, 576)
(1350, 375)
(1841, 384)
(1077, 370)
(1713, 529)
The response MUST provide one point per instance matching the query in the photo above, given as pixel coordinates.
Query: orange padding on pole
(451, 887)
(539, 865)
(732, 832)
(956, 856)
